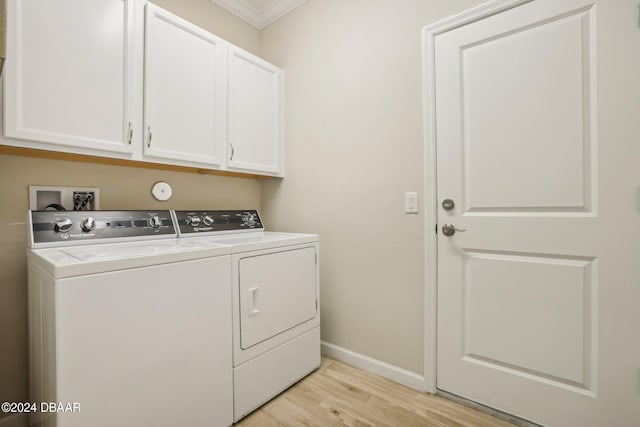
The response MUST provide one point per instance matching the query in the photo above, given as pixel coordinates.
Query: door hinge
(436, 229)
(316, 255)
(316, 305)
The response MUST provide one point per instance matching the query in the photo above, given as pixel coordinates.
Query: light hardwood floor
(341, 395)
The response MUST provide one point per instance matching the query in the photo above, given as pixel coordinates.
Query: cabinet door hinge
(436, 230)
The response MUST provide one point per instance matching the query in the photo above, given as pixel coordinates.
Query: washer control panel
(51, 227)
(193, 222)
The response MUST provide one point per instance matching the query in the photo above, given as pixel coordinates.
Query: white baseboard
(15, 420)
(369, 364)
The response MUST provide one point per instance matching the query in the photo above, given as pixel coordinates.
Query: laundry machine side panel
(42, 362)
(146, 346)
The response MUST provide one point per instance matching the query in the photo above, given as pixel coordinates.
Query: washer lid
(117, 251)
(83, 260)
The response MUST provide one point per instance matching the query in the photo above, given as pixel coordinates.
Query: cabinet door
(255, 114)
(68, 74)
(184, 90)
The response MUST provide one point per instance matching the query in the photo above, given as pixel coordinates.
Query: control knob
(154, 222)
(207, 220)
(194, 221)
(88, 224)
(63, 226)
(249, 219)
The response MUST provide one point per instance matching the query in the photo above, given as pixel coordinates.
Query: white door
(184, 100)
(70, 74)
(254, 134)
(538, 147)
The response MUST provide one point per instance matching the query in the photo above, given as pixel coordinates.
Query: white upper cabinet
(69, 73)
(254, 132)
(184, 100)
(126, 79)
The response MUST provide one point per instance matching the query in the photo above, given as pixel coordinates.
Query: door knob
(448, 204)
(449, 230)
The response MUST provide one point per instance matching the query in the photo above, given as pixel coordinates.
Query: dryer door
(278, 291)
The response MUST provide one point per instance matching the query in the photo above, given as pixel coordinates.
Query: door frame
(430, 207)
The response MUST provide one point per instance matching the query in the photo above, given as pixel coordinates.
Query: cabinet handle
(149, 136)
(232, 152)
(130, 133)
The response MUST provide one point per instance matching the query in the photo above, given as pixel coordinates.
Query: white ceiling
(259, 13)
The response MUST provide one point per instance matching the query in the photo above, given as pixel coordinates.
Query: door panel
(277, 292)
(531, 288)
(527, 116)
(504, 326)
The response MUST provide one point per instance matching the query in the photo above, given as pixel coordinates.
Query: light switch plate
(411, 202)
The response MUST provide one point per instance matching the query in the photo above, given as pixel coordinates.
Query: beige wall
(354, 147)
(121, 188)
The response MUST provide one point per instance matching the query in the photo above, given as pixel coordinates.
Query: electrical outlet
(64, 198)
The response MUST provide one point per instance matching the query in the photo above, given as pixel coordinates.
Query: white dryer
(128, 322)
(276, 313)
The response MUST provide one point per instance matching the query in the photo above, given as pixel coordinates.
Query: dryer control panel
(61, 228)
(196, 222)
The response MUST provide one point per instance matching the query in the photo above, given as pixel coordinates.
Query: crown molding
(256, 16)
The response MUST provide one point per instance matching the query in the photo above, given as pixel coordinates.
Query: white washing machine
(276, 313)
(127, 323)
